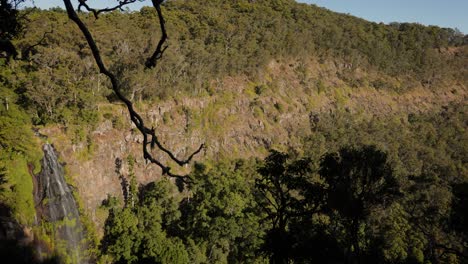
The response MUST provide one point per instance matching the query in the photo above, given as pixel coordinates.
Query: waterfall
(58, 206)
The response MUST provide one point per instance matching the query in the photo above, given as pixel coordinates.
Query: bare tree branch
(149, 135)
(96, 12)
(151, 62)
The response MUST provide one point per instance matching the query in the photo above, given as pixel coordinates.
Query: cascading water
(58, 205)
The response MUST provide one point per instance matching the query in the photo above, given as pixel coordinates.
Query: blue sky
(444, 13)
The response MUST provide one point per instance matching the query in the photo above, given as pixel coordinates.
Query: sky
(443, 13)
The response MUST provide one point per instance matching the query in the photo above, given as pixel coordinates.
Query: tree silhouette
(285, 193)
(358, 181)
(10, 26)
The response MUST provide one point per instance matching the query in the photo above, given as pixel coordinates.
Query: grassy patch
(21, 190)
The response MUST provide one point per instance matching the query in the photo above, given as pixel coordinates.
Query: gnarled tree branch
(149, 134)
(96, 12)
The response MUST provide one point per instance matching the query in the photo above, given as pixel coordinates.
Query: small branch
(96, 12)
(41, 42)
(264, 194)
(16, 3)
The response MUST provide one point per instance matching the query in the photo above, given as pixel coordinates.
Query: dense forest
(361, 181)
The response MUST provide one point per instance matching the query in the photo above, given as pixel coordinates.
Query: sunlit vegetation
(359, 187)
(213, 40)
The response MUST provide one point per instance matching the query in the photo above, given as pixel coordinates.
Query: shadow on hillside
(15, 245)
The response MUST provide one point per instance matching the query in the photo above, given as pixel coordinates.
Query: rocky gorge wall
(240, 118)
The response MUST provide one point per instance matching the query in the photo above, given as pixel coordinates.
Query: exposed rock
(225, 121)
(103, 127)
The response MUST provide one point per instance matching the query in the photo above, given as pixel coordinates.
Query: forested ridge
(330, 139)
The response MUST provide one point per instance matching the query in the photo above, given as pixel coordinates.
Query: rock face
(57, 204)
(240, 119)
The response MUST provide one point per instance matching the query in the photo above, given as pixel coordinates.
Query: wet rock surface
(56, 204)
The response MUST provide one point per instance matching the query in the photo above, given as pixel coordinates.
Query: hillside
(243, 77)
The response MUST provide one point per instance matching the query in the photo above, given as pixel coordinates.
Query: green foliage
(135, 234)
(222, 212)
(16, 136)
(19, 156)
(212, 40)
(132, 198)
(17, 189)
(350, 204)
(219, 223)
(425, 153)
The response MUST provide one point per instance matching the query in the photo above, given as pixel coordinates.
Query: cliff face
(239, 118)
